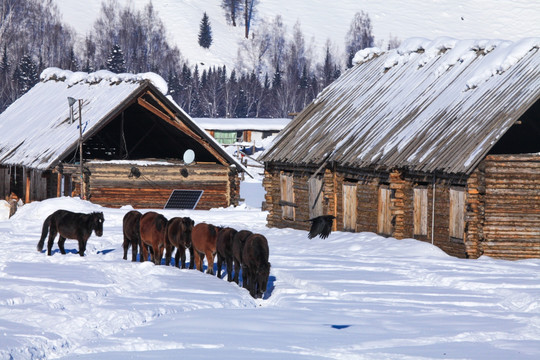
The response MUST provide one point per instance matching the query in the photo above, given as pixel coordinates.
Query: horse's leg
(52, 235)
(158, 255)
(199, 259)
(191, 257)
(169, 248)
(134, 250)
(210, 259)
(61, 242)
(219, 265)
(82, 246)
(144, 252)
(125, 245)
(245, 277)
(229, 268)
(236, 270)
(180, 253)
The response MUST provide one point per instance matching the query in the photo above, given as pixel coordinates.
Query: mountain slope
(321, 20)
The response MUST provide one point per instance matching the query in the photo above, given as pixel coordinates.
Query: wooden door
(420, 211)
(349, 207)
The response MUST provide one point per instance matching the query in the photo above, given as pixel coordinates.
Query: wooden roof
(429, 106)
(37, 131)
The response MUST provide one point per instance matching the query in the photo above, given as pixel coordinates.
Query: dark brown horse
(224, 249)
(239, 240)
(132, 233)
(153, 230)
(70, 225)
(179, 236)
(203, 240)
(255, 266)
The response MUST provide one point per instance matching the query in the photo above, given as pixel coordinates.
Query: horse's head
(97, 222)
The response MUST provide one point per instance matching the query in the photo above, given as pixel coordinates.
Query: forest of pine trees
(276, 75)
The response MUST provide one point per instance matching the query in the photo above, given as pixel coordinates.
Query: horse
(153, 230)
(203, 240)
(132, 233)
(239, 240)
(256, 267)
(225, 250)
(70, 225)
(179, 236)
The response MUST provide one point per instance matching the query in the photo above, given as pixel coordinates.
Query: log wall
(114, 185)
(509, 188)
(501, 215)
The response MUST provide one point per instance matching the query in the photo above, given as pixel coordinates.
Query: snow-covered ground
(351, 296)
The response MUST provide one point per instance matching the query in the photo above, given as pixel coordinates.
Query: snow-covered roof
(427, 106)
(238, 124)
(37, 131)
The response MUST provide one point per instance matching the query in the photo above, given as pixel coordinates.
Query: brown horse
(225, 251)
(179, 236)
(70, 225)
(132, 233)
(255, 267)
(153, 230)
(239, 240)
(203, 240)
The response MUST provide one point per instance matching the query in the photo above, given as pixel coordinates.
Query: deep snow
(351, 296)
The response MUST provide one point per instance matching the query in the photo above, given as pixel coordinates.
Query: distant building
(437, 141)
(228, 131)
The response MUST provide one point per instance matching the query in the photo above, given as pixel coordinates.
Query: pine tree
(116, 61)
(26, 74)
(276, 80)
(73, 62)
(205, 32)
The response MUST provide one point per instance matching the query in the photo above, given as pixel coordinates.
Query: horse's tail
(161, 223)
(44, 232)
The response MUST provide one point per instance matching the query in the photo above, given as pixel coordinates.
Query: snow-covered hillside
(321, 20)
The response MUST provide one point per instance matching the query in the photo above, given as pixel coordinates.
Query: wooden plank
(315, 197)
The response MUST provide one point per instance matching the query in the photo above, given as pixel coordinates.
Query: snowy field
(351, 296)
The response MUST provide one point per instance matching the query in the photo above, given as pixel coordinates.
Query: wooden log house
(436, 140)
(138, 146)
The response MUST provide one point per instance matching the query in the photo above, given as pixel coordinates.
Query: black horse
(255, 265)
(70, 225)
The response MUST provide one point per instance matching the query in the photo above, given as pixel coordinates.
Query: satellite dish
(189, 156)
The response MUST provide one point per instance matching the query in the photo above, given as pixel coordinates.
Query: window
(420, 211)
(384, 218)
(315, 187)
(457, 212)
(287, 196)
(225, 137)
(349, 207)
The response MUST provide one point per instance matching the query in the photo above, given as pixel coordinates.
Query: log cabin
(435, 140)
(113, 139)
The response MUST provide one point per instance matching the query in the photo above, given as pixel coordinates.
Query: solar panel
(183, 199)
